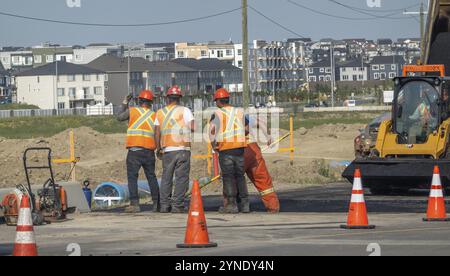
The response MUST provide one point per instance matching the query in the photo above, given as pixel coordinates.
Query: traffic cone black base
(369, 227)
(436, 220)
(186, 246)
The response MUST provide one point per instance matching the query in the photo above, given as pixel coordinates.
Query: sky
(21, 32)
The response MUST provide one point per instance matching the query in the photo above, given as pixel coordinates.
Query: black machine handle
(49, 167)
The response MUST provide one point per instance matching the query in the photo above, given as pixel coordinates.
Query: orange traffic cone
(25, 244)
(436, 204)
(357, 217)
(197, 231)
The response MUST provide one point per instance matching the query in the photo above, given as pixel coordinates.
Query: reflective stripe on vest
(141, 130)
(234, 126)
(267, 192)
(173, 133)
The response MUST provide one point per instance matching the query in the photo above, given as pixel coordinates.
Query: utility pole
(332, 73)
(422, 14)
(245, 77)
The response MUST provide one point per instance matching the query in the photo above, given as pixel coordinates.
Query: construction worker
(174, 126)
(227, 135)
(141, 147)
(255, 165)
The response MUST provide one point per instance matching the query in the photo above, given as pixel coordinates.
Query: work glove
(127, 99)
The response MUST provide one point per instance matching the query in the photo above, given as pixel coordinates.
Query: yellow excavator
(418, 136)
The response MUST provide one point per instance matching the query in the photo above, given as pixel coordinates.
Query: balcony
(85, 97)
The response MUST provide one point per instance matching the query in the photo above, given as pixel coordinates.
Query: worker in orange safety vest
(174, 127)
(227, 133)
(141, 147)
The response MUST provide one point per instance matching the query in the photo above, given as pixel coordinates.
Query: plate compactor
(48, 204)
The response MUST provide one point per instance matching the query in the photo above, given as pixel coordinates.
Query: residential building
(354, 70)
(320, 71)
(85, 55)
(386, 67)
(48, 53)
(5, 85)
(277, 66)
(17, 60)
(124, 76)
(224, 51)
(152, 51)
(61, 85)
(214, 74)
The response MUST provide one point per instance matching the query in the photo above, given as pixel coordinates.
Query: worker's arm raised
(124, 114)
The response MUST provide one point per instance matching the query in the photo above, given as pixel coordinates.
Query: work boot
(178, 210)
(230, 207)
(133, 209)
(164, 210)
(156, 207)
(244, 206)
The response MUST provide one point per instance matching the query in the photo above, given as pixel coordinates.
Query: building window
(106, 77)
(355, 78)
(86, 77)
(49, 59)
(78, 57)
(220, 54)
(393, 67)
(311, 70)
(38, 79)
(38, 59)
(328, 70)
(240, 63)
(312, 79)
(204, 53)
(181, 54)
(382, 67)
(392, 75)
(383, 76)
(229, 52)
(61, 92)
(61, 105)
(239, 52)
(375, 67)
(72, 92)
(97, 77)
(98, 91)
(87, 92)
(376, 76)
(16, 60)
(345, 78)
(71, 78)
(322, 70)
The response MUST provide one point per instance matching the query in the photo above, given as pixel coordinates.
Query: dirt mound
(103, 157)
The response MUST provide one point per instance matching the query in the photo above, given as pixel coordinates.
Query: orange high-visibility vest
(174, 131)
(141, 128)
(231, 134)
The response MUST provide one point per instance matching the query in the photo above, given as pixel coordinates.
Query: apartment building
(61, 85)
(85, 55)
(224, 51)
(49, 53)
(276, 66)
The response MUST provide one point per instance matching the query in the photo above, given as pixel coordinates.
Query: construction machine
(48, 204)
(418, 136)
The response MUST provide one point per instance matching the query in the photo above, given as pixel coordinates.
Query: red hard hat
(146, 95)
(175, 91)
(222, 93)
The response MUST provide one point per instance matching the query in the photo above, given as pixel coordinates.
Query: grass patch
(17, 106)
(33, 127)
(311, 120)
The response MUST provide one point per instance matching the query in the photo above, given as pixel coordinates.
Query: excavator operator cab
(418, 108)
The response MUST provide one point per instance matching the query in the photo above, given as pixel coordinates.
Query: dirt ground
(103, 157)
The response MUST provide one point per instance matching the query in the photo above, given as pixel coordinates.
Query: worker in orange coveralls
(255, 165)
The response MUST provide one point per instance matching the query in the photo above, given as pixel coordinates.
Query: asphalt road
(308, 225)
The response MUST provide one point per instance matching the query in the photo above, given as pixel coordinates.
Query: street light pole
(245, 76)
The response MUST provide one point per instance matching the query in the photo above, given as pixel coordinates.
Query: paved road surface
(309, 225)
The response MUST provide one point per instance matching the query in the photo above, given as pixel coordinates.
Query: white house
(61, 85)
(354, 70)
